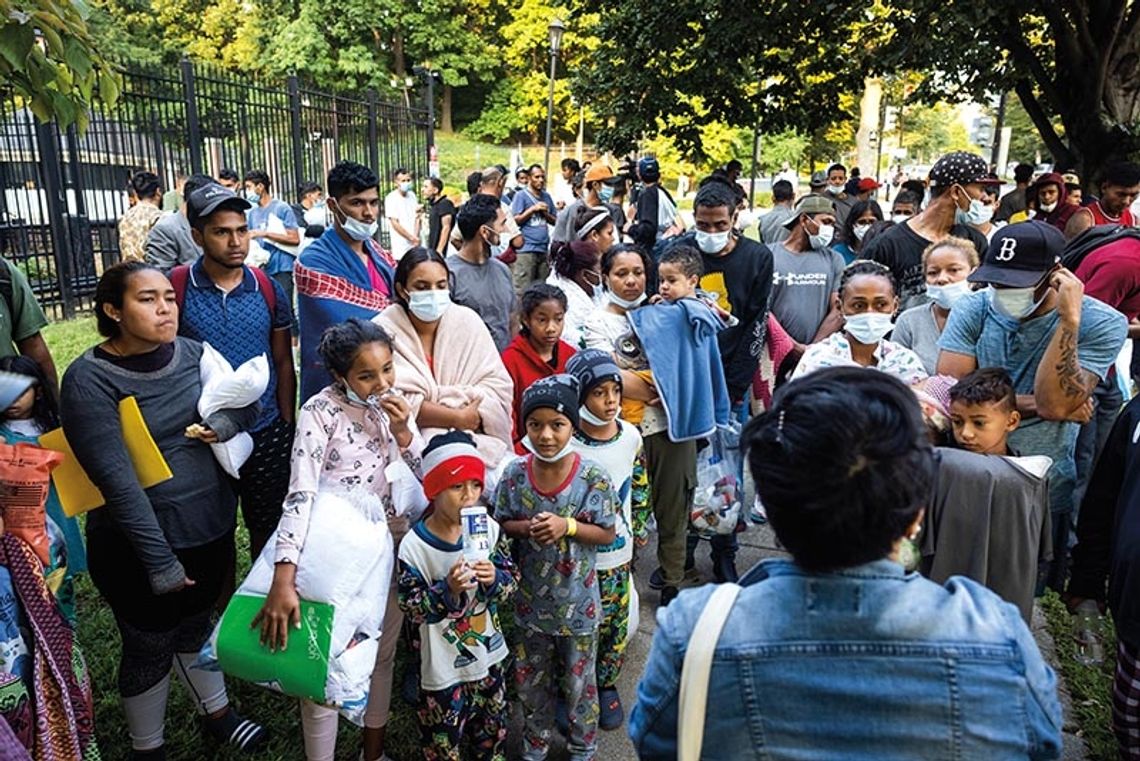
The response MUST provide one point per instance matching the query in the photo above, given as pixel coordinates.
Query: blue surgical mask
(354, 397)
(429, 306)
(253, 196)
(405, 187)
(356, 229)
(978, 213)
(605, 193)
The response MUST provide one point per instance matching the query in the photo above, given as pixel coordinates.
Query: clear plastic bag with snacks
(719, 497)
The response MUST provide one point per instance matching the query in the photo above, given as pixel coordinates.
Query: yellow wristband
(571, 527)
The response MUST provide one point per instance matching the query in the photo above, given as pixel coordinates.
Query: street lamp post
(556, 30)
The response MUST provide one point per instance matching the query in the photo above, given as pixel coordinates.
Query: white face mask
(860, 230)
(586, 416)
(356, 229)
(429, 306)
(835, 189)
(1048, 207)
(898, 219)
(564, 452)
(1015, 303)
(868, 327)
(624, 303)
(317, 215)
(712, 243)
(822, 239)
(946, 296)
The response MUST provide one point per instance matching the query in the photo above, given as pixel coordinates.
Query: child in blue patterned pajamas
(557, 507)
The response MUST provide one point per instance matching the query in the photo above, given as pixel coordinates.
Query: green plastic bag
(301, 669)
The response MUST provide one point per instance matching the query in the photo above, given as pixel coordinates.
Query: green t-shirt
(21, 319)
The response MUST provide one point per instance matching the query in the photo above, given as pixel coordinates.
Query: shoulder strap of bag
(697, 668)
(268, 292)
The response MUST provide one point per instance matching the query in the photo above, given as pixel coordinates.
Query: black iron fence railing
(62, 193)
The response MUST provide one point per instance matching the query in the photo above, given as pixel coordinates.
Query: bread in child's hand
(196, 431)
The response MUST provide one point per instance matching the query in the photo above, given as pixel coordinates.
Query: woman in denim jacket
(839, 652)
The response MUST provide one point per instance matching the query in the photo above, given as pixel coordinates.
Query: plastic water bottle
(476, 534)
(1090, 652)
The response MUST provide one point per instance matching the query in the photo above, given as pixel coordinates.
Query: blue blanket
(332, 286)
(680, 341)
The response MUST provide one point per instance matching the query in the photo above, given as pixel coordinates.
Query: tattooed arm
(1063, 388)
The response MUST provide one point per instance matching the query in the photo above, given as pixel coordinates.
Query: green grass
(1090, 686)
(100, 642)
(459, 156)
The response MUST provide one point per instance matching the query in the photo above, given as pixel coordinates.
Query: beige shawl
(465, 367)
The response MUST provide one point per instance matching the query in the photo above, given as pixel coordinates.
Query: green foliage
(1089, 686)
(516, 109)
(48, 56)
(677, 66)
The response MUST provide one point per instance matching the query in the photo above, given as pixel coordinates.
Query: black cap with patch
(1020, 255)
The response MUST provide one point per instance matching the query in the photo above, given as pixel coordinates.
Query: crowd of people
(528, 389)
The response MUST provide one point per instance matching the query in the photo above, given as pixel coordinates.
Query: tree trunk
(445, 111)
(398, 53)
(865, 147)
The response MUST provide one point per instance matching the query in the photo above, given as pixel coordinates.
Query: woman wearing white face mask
(446, 363)
(946, 265)
(868, 302)
(855, 227)
(624, 270)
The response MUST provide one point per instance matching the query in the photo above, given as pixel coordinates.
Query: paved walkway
(756, 544)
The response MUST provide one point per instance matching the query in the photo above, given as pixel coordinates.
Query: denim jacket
(869, 662)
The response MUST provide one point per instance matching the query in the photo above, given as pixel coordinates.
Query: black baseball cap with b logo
(1020, 255)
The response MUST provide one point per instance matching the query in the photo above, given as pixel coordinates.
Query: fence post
(295, 122)
(54, 194)
(373, 132)
(192, 126)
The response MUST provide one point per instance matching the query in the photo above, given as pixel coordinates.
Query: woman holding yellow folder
(160, 555)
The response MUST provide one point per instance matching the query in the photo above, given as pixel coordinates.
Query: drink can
(476, 534)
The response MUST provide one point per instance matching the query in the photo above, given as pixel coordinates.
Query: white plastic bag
(346, 564)
(719, 497)
(224, 388)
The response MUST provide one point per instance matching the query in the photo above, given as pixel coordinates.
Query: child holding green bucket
(344, 441)
(454, 571)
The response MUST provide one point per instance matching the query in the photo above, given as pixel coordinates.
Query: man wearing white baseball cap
(1056, 343)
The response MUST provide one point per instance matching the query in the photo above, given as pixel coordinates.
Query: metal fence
(62, 194)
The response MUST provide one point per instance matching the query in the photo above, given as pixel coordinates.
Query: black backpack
(1093, 238)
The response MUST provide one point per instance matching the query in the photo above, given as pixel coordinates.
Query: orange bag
(25, 478)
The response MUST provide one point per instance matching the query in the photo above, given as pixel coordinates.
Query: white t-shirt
(455, 650)
(617, 456)
(402, 208)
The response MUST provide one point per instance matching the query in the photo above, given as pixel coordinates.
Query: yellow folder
(76, 492)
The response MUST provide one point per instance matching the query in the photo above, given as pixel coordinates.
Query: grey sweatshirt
(197, 505)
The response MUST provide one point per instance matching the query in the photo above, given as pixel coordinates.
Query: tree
(679, 65)
(785, 64)
(48, 56)
(516, 108)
